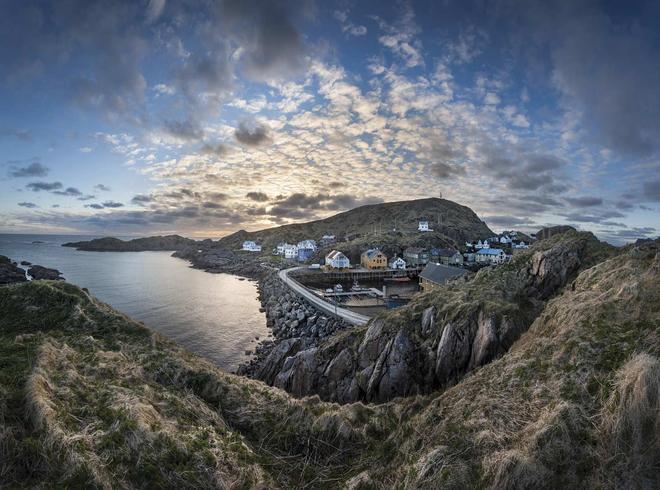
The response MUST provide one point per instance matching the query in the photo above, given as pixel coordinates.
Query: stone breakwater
(294, 322)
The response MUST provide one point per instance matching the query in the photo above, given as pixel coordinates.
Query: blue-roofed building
(304, 254)
(490, 256)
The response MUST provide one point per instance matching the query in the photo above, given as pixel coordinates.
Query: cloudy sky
(204, 117)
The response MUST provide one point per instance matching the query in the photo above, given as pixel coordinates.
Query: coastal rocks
(40, 272)
(431, 344)
(296, 325)
(9, 272)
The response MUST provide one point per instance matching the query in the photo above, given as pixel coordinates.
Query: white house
(423, 226)
(490, 255)
(250, 246)
(397, 263)
(521, 244)
(505, 239)
(281, 247)
(337, 260)
(290, 252)
(307, 244)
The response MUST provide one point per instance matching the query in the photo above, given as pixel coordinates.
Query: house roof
(371, 253)
(446, 252)
(490, 251)
(439, 273)
(336, 254)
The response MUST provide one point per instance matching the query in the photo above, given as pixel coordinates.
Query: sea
(214, 315)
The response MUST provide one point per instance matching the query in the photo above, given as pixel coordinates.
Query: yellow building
(373, 259)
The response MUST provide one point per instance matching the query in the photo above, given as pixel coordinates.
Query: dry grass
(630, 423)
(94, 399)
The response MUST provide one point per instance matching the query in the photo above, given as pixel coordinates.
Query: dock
(365, 292)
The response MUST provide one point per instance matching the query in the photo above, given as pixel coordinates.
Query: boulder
(39, 272)
(10, 273)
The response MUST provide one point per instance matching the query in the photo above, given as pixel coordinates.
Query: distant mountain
(451, 223)
(153, 243)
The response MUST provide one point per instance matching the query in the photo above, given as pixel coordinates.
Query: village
(428, 267)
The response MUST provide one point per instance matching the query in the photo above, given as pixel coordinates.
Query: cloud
(585, 201)
(141, 199)
(69, 191)
(652, 190)
(257, 196)
(34, 169)
(19, 134)
(272, 46)
(102, 187)
(112, 204)
(218, 150)
(186, 131)
(600, 64)
(30, 205)
(446, 170)
(94, 206)
(44, 186)
(252, 134)
(87, 197)
(155, 9)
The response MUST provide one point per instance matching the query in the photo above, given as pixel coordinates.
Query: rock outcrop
(10, 272)
(296, 326)
(551, 231)
(40, 272)
(440, 336)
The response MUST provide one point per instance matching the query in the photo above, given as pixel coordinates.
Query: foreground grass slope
(91, 397)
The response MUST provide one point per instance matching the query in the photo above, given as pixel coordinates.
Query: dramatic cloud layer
(209, 117)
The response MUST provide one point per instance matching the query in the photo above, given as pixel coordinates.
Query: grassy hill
(451, 222)
(89, 397)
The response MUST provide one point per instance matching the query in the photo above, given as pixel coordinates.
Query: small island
(153, 243)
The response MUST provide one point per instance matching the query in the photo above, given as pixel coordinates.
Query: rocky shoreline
(296, 325)
(10, 272)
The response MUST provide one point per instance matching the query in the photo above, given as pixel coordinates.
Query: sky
(204, 117)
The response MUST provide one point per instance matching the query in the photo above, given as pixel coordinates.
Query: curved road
(329, 308)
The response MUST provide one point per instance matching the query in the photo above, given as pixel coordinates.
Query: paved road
(329, 308)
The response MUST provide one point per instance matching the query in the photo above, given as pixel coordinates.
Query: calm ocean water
(215, 315)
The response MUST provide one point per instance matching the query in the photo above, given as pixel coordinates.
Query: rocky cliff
(90, 398)
(440, 336)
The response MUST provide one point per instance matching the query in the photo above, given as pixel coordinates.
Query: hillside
(92, 398)
(438, 337)
(450, 221)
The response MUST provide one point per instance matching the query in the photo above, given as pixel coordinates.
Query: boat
(338, 288)
(357, 288)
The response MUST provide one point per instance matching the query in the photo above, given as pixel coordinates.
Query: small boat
(356, 287)
(329, 291)
(339, 288)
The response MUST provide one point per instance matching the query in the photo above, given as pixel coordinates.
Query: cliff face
(440, 336)
(90, 398)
